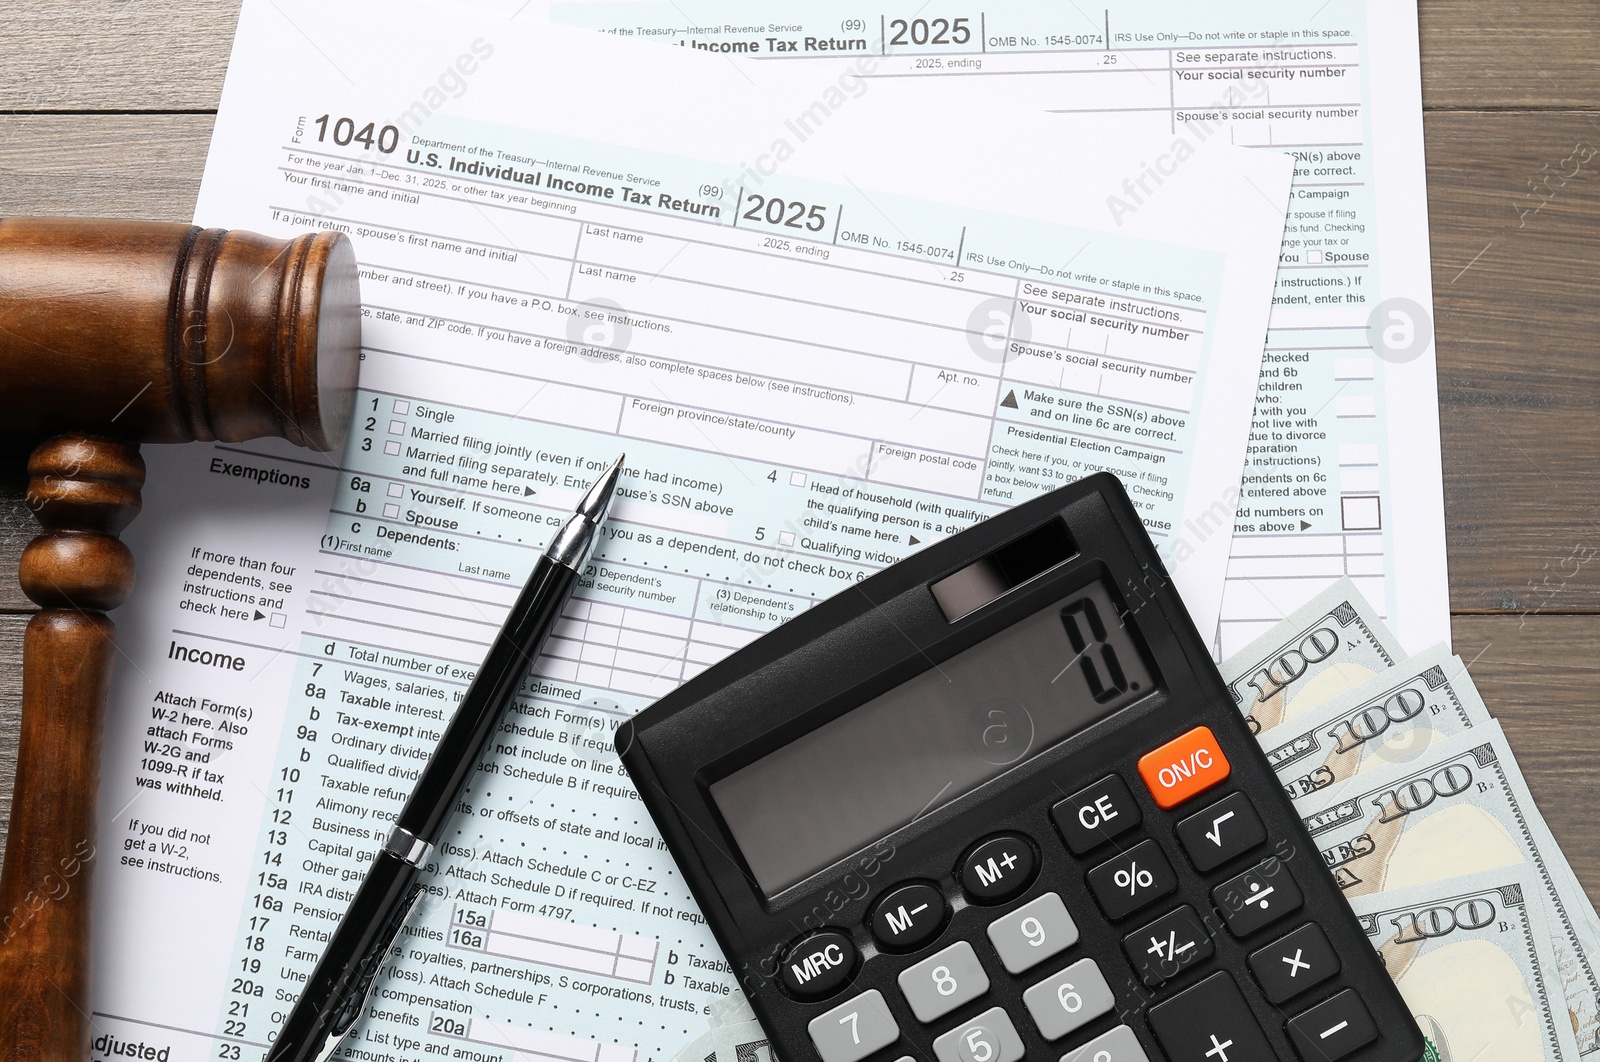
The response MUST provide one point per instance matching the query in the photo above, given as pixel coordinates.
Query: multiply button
(1183, 767)
(1210, 1022)
(999, 868)
(1289, 966)
(1228, 828)
(1138, 876)
(1258, 897)
(908, 916)
(1333, 1029)
(818, 965)
(1092, 816)
(1168, 946)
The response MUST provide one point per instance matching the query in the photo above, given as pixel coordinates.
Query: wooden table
(107, 110)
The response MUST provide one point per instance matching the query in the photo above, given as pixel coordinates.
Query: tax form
(1344, 474)
(573, 246)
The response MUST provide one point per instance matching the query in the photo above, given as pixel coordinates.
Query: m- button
(1183, 767)
(908, 916)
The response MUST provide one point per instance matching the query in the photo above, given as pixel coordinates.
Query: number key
(854, 1029)
(1118, 1045)
(1069, 1000)
(1032, 933)
(943, 981)
(990, 1037)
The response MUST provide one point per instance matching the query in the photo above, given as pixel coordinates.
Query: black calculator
(995, 802)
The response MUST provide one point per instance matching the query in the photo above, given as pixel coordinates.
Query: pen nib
(598, 500)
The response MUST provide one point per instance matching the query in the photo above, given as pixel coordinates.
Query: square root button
(1225, 830)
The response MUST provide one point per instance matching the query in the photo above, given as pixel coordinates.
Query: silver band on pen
(408, 846)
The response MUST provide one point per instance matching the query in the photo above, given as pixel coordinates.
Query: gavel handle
(84, 491)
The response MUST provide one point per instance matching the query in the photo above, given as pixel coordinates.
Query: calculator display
(934, 738)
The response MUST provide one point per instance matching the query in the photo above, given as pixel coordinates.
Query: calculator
(995, 802)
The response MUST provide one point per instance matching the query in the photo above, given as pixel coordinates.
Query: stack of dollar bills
(1417, 808)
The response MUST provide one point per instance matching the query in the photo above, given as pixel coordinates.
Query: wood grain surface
(105, 110)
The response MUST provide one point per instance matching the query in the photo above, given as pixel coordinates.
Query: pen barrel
(335, 995)
(515, 648)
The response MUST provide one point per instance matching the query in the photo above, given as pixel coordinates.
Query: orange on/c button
(1183, 767)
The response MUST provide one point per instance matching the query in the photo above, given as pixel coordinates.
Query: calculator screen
(932, 739)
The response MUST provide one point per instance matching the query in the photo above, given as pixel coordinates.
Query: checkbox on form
(1361, 513)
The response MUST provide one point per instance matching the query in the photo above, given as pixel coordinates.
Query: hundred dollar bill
(1393, 717)
(731, 1012)
(1462, 808)
(731, 1009)
(1332, 642)
(1473, 960)
(743, 1041)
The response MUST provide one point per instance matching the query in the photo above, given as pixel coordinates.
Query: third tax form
(1344, 473)
(808, 346)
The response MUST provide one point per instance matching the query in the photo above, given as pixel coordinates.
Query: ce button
(1092, 816)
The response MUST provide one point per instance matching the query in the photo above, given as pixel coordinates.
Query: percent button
(1133, 879)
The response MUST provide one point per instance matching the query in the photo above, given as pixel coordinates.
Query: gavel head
(170, 333)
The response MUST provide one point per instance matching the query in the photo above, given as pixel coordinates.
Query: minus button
(1333, 1029)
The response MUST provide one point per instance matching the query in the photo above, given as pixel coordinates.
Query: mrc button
(818, 965)
(1183, 767)
(999, 868)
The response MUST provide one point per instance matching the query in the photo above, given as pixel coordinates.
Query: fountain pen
(333, 998)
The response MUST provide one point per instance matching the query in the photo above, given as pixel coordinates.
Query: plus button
(1219, 1049)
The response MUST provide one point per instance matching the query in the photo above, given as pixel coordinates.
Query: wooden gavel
(112, 334)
